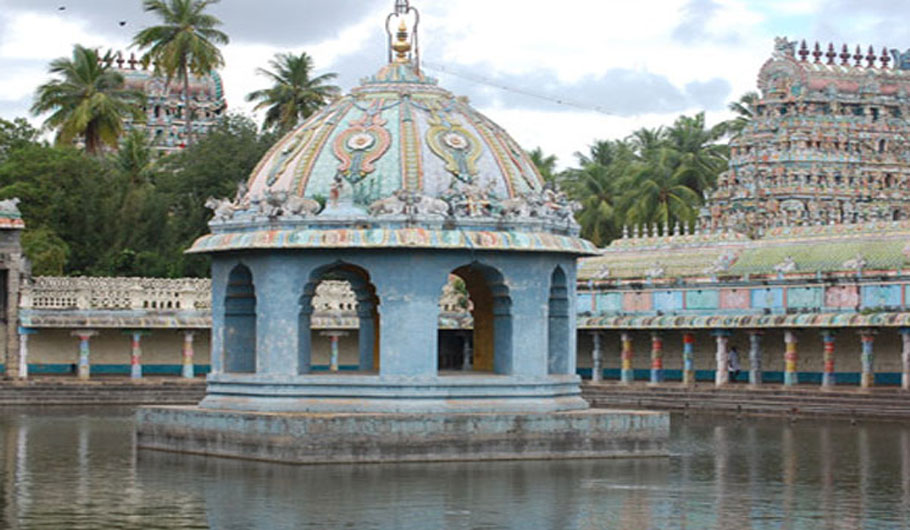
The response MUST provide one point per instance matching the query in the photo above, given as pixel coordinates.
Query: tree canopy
(654, 176)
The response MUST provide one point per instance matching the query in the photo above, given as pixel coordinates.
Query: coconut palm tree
(744, 109)
(595, 185)
(185, 43)
(87, 100)
(294, 95)
(700, 150)
(656, 190)
(546, 164)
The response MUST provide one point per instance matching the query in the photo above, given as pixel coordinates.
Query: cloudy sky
(614, 65)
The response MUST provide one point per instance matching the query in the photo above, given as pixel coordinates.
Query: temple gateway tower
(393, 188)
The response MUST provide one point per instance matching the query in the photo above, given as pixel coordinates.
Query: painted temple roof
(785, 251)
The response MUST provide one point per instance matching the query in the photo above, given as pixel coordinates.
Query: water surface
(77, 468)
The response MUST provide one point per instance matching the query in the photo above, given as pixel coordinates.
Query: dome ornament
(403, 44)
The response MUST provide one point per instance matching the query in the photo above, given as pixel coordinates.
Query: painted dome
(397, 131)
(398, 161)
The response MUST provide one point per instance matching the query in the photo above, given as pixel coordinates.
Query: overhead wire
(515, 90)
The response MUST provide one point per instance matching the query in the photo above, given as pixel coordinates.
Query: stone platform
(311, 438)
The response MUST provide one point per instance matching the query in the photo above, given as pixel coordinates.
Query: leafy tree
(15, 134)
(546, 164)
(186, 42)
(88, 100)
(212, 167)
(45, 250)
(295, 94)
(66, 196)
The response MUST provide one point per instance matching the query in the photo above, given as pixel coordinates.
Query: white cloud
(33, 36)
(576, 40)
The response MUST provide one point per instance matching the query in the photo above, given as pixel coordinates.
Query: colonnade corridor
(860, 357)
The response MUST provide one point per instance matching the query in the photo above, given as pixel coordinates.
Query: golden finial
(403, 45)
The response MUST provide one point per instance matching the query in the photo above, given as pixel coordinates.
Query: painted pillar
(755, 358)
(721, 357)
(657, 358)
(867, 377)
(136, 354)
(791, 356)
(23, 351)
(83, 369)
(626, 375)
(597, 370)
(828, 379)
(688, 358)
(188, 371)
(333, 342)
(905, 359)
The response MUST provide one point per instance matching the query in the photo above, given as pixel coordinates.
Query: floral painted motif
(455, 145)
(361, 145)
(842, 296)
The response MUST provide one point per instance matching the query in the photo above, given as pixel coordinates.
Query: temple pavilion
(395, 188)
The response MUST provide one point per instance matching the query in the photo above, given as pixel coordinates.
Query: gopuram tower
(829, 143)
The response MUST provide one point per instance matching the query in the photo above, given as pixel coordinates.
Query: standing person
(733, 364)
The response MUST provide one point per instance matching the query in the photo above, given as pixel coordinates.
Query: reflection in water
(69, 469)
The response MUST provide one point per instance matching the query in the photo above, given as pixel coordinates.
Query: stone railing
(59, 300)
(117, 294)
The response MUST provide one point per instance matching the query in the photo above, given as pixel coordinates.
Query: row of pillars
(83, 364)
(722, 357)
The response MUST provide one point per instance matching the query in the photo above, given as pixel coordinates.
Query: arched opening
(339, 321)
(454, 342)
(240, 322)
(558, 324)
(490, 308)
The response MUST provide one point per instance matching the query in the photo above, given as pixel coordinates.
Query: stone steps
(70, 392)
(876, 403)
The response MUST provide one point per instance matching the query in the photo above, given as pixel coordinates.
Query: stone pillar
(188, 368)
(23, 351)
(688, 358)
(867, 377)
(905, 359)
(333, 342)
(657, 358)
(366, 335)
(828, 379)
(626, 375)
(596, 358)
(791, 356)
(83, 367)
(721, 357)
(755, 358)
(466, 365)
